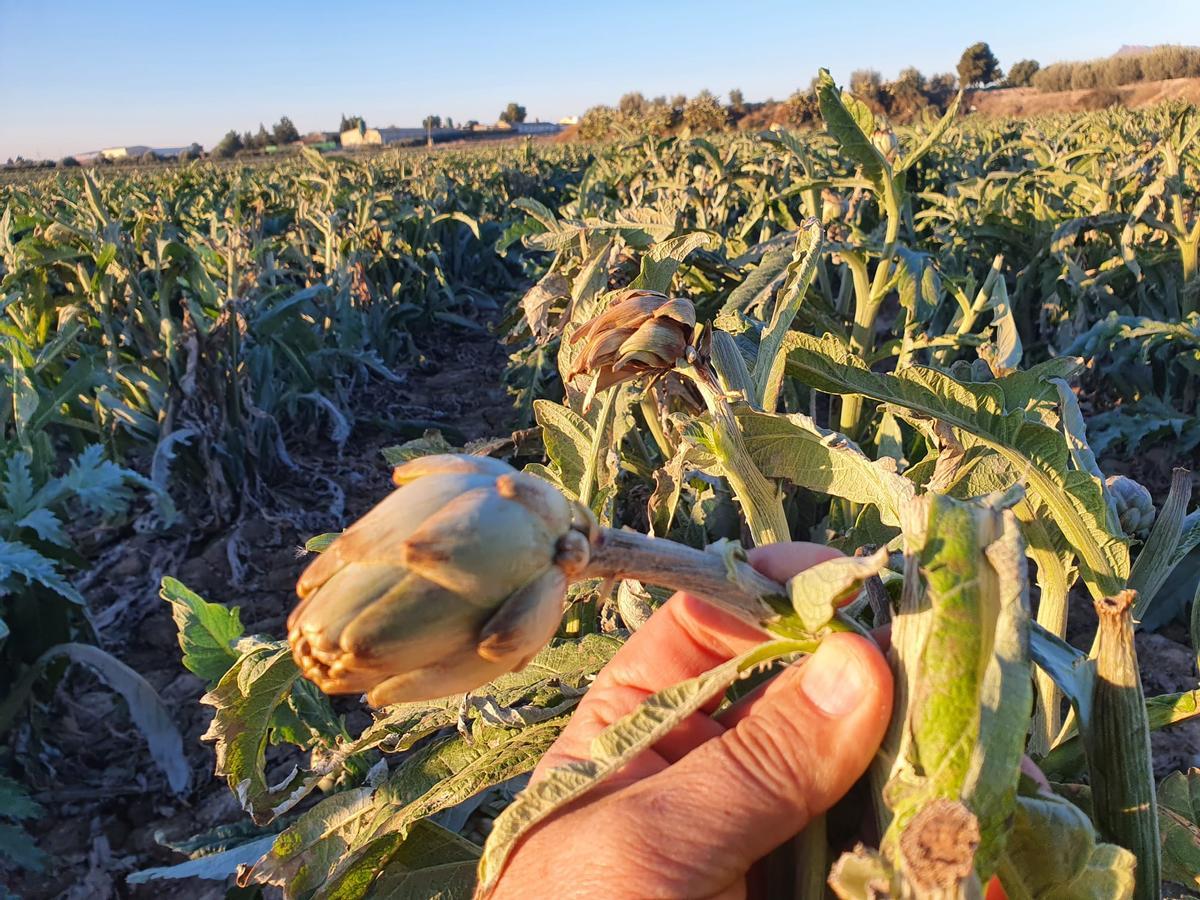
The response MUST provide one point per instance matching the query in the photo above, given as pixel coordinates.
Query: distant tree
(247, 141)
(228, 145)
(704, 112)
(285, 132)
(801, 108)
(978, 66)
(67, 162)
(431, 122)
(351, 123)
(513, 113)
(261, 139)
(1021, 73)
(865, 83)
(148, 157)
(942, 84)
(632, 104)
(907, 93)
(737, 101)
(679, 101)
(449, 122)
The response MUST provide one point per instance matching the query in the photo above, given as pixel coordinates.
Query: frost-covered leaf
(146, 708)
(213, 867)
(207, 631)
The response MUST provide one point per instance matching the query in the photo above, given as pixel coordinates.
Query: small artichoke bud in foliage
(833, 206)
(976, 370)
(885, 142)
(641, 332)
(1135, 506)
(456, 578)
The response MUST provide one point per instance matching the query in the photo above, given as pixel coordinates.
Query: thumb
(792, 750)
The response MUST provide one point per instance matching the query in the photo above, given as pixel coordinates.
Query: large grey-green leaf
(847, 118)
(146, 708)
(1052, 854)
(794, 448)
(246, 700)
(987, 412)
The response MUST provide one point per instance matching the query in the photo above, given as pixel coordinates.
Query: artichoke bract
(457, 577)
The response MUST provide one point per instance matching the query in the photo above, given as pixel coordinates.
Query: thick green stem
(758, 497)
(731, 585)
(1117, 742)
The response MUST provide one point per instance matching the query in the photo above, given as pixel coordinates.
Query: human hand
(689, 817)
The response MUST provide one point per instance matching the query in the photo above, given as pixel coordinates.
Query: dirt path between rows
(106, 804)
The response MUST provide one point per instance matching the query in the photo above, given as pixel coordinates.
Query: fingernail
(833, 679)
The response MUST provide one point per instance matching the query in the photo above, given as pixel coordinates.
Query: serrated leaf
(17, 847)
(15, 802)
(847, 120)
(17, 559)
(207, 631)
(661, 262)
(246, 700)
(794, 448)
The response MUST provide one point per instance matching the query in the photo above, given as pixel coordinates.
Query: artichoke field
(966, 354)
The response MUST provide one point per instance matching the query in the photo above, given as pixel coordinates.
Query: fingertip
(848, 676)
(782, 561)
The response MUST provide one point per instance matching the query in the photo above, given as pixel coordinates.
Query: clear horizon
(81, 76)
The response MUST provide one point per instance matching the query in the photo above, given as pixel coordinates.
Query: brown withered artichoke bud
(457, 577)
(641, 331)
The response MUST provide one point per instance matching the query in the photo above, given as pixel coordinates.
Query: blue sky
(77, 76)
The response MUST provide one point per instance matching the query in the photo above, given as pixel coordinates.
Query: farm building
(537, 128)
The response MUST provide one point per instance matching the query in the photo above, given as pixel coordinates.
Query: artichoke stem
(731, 585)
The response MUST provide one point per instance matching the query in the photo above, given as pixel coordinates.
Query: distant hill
(1018, 102)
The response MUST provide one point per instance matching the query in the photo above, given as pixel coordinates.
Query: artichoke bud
(455, 578)
(886, 143)
(640, 332)
(1134, 505)
(833, 206)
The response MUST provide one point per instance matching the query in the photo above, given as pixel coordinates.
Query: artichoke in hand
(457, 577)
